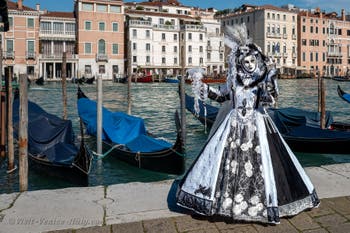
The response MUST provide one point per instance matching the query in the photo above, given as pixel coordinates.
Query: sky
(328, 6)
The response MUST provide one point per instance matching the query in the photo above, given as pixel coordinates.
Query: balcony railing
(209, 48)
(101, 57)
(9, 55)
(30, 55)
(273, 35)
(285, 54)
(285, 36)
(334, 54)
(143, 23)
(166, 27)
(193, 27)
(221, 49)
(294, 55)
(294, 36)
(58, 56)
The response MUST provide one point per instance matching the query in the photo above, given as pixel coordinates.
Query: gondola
(40, 81)
(51, 145)
(300, 128)
(126, 138)
(77, 80)
(341, 78)
(342, 94)
(89, 80)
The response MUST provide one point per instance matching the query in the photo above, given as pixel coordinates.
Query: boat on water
(127, 139)
(342, 94)
(171, 79)
(117, 78)
(341, 78)
(39, 81)
(89, 80)
(300, 128)
(220, 79)
(52, 146)
(142, 79)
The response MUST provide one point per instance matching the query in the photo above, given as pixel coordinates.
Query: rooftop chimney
(38, 7)
(343, 15)
(20, 4)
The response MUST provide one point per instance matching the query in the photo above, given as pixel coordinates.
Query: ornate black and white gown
(246, 171)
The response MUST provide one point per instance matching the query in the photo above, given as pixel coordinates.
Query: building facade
(324, 43)
(164, 36)
(100, 37)
(272, 28)
(20, 44)
(57, 35)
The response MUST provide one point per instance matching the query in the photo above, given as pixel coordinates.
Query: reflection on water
(156, 103)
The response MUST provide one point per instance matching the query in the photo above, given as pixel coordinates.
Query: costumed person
(246, 171)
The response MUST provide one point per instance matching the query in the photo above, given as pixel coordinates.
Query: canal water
(156, 103)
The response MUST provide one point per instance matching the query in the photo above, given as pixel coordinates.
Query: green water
(156, 103)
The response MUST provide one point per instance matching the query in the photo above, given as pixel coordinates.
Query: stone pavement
(333, 216)
(150, 207)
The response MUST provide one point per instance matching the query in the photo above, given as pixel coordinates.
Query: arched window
(101, 47)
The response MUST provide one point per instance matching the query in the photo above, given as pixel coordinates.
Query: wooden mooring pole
(182, 96)
(3, 125)
(10, 147)
(322, 103)
(23, 134)
(129, 94)
(99, 114)
(64, 84)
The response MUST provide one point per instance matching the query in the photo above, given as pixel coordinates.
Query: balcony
(294, 55)
(285, 54)
(140, 23)
(285, 36)
(166, 27)
(192, 27)
(58, 56)
(294, 36)
(57, 35)
(101, 57)
(30, 55)
(209, 48)
(334, 54)
(221, 49)
(9, 55)
(273, 35)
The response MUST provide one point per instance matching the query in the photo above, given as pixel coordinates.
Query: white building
(162, 37)
(272, 28)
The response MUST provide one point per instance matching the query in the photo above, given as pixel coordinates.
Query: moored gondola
(342, 94)
(127, 139)
(299, 128)
(52, 148)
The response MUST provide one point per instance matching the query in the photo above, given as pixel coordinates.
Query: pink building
(324, 43)
(100, 37)
(20, 44)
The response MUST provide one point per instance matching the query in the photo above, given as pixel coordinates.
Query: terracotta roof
(13, 6)
(154, 4)
(164, 14)
(59, 14)
(271, 7)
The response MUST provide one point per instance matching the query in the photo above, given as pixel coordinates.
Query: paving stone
(188, 223)
(303, 221)
(342, 228)
(340, 204)
(60, 231)
(244, 229)
(102, 229)
(228, 225)
(285, 227)
(318, 230)
(160, 225)
(132, 227)
(323, 209)
(330, 220)
(207, 230)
